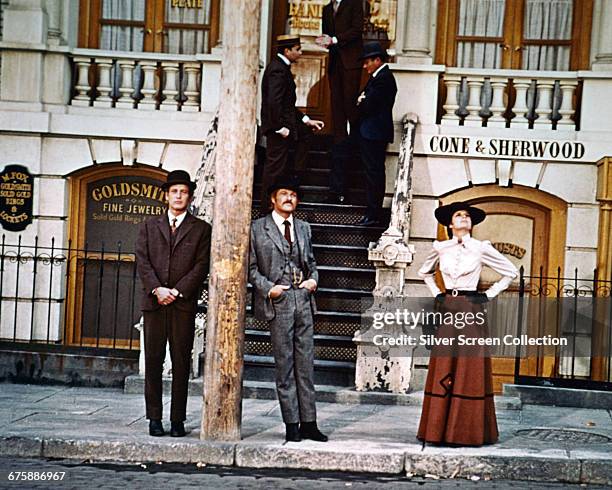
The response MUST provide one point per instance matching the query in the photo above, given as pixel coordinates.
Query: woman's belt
(459, 292)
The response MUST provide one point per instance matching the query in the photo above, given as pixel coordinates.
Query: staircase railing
(377, 368)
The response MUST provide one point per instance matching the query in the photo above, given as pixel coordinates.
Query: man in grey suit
(283, 272)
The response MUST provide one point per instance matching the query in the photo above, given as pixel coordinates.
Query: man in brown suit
(342, 36)
(172, 259)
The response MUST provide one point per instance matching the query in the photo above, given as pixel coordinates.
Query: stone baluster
(192, 71)
(105, 87)
(520, 109)
(82, 85)
(170, 102)
(498, 85)
(567, 105)
(125, 100)
(473, 107)
(452, 83)
(544, 107)
(148, 90)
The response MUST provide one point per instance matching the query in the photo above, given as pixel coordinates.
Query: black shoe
(156, 429)
(309, 430)
(292, 433)
(367, 221)
(177, 429)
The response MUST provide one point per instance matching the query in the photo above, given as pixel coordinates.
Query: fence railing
(68, 296)
(577, 310)
(510, 98)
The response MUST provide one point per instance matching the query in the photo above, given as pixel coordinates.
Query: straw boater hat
(444, 214)
(178, 177)
(287, 41)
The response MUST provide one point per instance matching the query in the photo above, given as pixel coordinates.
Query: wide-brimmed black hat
(178, 177)
(287, 41)
(285, 182)
(444, 214)
(373, 49)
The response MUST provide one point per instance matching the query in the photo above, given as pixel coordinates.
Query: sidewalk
(536, 442)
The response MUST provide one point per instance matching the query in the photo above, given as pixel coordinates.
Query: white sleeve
(428, 270)
(500, 264)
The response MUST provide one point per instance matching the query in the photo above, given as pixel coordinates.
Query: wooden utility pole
(222, 408)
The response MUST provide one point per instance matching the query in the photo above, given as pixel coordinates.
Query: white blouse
(461, 264)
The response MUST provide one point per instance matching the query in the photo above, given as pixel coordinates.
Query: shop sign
(16, 197)
(116, 205)
(506, 148)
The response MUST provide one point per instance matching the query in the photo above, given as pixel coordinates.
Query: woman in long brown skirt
(458, 407)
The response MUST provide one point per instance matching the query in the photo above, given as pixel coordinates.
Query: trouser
(344, 88)
(291, 332)
(279, 161)
(373, 157)
(167, 324)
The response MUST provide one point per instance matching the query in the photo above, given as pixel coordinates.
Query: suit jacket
(376, 110)
(278, 99)
(347, 27)
(183, 266)
(267, 261)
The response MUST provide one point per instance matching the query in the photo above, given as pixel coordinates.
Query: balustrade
(505, 98)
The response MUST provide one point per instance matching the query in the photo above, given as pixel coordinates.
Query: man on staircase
(284, 275)
(282, 122)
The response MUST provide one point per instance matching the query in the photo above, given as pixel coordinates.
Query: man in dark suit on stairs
(284, 276)
(342, 26)
(375, 105)
(284, 125)
(172, 259)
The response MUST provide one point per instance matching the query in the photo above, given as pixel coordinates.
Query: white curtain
(549, 20)
(480, 18)
(123, 38)
(187, 41)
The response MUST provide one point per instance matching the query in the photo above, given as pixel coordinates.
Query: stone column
(416, 26)
(603, 58)
(54, 12)
(24, 24)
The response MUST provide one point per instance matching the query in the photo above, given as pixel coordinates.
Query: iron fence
(67, 297)
(577, 310)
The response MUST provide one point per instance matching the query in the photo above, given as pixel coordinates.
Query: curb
(553, 467)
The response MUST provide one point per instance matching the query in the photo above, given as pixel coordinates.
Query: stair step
(329, 214)
(346, 278)
(347, 235)
(335, 324)
(335, 373)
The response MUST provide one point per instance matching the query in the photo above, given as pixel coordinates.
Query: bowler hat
(444, 214)
(285, 182)
(178, 177)
(373, 49)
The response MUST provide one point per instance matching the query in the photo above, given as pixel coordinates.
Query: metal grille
(331, 303)
(333, 216)
(344, 258)
(347, 279)
(338, 327)
(322, 352)
(352, 237)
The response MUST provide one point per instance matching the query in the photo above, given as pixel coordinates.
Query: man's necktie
(173, 225)
(287, 231)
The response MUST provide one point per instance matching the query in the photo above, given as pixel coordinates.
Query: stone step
(560, 397)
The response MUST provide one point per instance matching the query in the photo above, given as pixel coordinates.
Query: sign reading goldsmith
(506, 148)
(16, 197)
(116, 205)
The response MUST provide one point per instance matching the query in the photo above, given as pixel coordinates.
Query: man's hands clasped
(166, 296)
